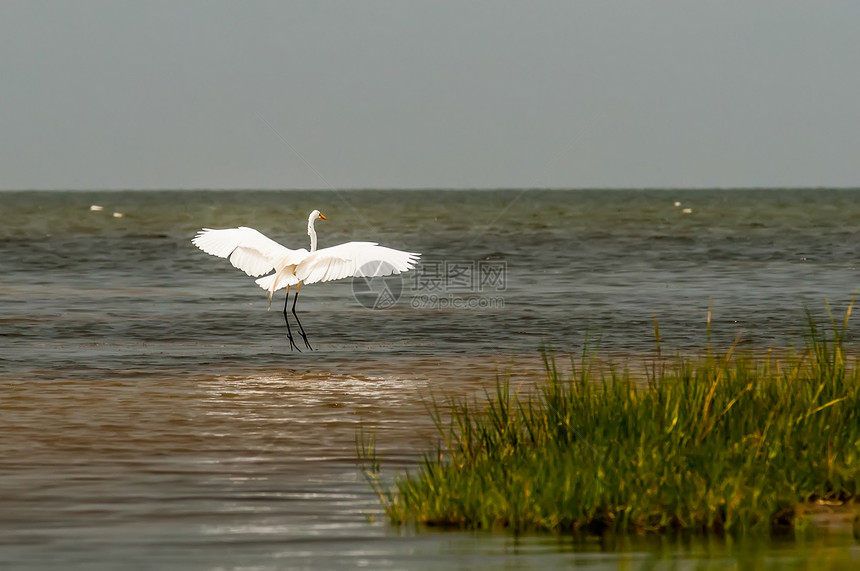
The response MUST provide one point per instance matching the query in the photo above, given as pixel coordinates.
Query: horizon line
(426, 188)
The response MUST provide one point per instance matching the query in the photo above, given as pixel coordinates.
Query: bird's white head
(313, 216)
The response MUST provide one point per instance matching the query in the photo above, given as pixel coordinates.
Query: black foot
(299, 323)
(305, 339)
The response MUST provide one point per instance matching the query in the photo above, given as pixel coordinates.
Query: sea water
(153, 414)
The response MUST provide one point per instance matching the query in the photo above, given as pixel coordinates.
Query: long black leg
(301, 329)
(287, 321)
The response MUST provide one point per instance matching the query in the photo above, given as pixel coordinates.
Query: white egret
(256, 254)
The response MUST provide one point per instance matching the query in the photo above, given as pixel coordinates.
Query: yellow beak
(323, 217)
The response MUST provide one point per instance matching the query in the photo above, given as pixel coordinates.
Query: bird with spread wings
(256, 254)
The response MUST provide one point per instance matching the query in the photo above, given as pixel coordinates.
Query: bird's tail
(268, 283)
(273, 282)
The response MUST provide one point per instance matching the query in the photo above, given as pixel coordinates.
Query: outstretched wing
(353, 259)
(249, 250)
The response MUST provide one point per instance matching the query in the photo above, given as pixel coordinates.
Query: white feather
(255, 254)
(269, 283)
(249, 250)
(353, 259)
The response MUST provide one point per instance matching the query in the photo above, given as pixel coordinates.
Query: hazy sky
(429, 94)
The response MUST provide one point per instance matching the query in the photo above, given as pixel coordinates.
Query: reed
(725, 443)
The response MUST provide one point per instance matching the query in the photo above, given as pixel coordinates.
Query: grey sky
(429, 94)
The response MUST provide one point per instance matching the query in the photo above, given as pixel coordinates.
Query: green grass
(724, 443)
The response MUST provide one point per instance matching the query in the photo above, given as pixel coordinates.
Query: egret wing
(278, 280)
(249, 250)
(353, 259)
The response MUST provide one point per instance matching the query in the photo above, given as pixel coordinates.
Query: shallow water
(153, 414)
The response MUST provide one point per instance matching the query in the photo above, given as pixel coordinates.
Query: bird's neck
(312, 233)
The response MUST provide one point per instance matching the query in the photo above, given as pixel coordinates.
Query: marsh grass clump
(724, 443)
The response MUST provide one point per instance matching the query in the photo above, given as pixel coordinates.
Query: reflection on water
(260, 471)
(251, 467)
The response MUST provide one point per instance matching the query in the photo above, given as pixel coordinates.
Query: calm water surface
(153, 415)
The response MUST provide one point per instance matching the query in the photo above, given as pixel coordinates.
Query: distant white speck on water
(96, 207)
(677, 203)
(687, 211)
(117, 214)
